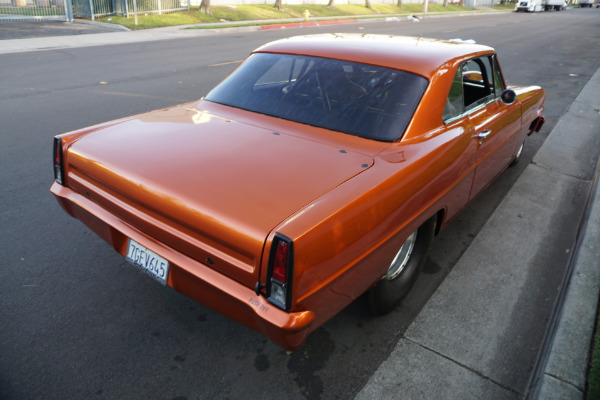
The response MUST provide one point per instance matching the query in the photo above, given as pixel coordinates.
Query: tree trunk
(330, 4)
(445, 3)
(399, 3)
(205, 7)
(278, 5)
(368, 4)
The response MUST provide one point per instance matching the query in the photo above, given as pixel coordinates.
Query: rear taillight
(280, 272)
(58, 161)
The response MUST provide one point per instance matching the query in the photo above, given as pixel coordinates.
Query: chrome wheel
(515, 160)
(400, 262)
(402, 271)
(519, 152)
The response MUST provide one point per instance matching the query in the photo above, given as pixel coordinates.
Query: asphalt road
(77, 322)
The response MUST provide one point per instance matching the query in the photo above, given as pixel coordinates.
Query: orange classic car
(317, 172)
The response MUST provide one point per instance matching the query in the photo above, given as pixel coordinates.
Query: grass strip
(243, 13)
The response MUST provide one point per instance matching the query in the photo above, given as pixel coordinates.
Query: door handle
(483, 134)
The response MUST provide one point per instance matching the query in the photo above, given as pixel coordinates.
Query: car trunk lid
(220, 184)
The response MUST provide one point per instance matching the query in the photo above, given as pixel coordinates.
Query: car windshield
(359, 99)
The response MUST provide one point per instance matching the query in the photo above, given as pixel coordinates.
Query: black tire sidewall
(386, 294)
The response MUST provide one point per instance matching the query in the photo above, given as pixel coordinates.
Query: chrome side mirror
(508, 96)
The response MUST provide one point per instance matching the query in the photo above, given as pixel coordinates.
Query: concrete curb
(563, 372)
(99, 23)
(383, 18)
(308, 24)
(562, 368)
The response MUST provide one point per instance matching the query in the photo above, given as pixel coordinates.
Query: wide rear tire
(402, 272)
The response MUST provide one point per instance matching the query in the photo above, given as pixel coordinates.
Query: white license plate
(148, 261)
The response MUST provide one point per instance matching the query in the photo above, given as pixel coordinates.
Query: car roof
(414, 54)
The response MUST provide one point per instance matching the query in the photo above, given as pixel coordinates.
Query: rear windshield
(358, 99)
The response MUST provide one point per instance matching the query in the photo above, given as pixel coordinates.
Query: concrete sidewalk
(472, 338)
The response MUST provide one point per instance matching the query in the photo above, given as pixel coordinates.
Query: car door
(495, 123)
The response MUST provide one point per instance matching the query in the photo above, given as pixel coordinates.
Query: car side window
(498, 81)
(478, 83)
(455, 102)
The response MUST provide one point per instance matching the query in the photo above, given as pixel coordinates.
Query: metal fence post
(135, 11)
(91, 10)
(69, 10)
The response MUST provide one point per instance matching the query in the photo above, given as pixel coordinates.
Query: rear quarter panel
(345, 240)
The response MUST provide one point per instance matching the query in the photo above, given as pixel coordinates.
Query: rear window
(358, 99)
